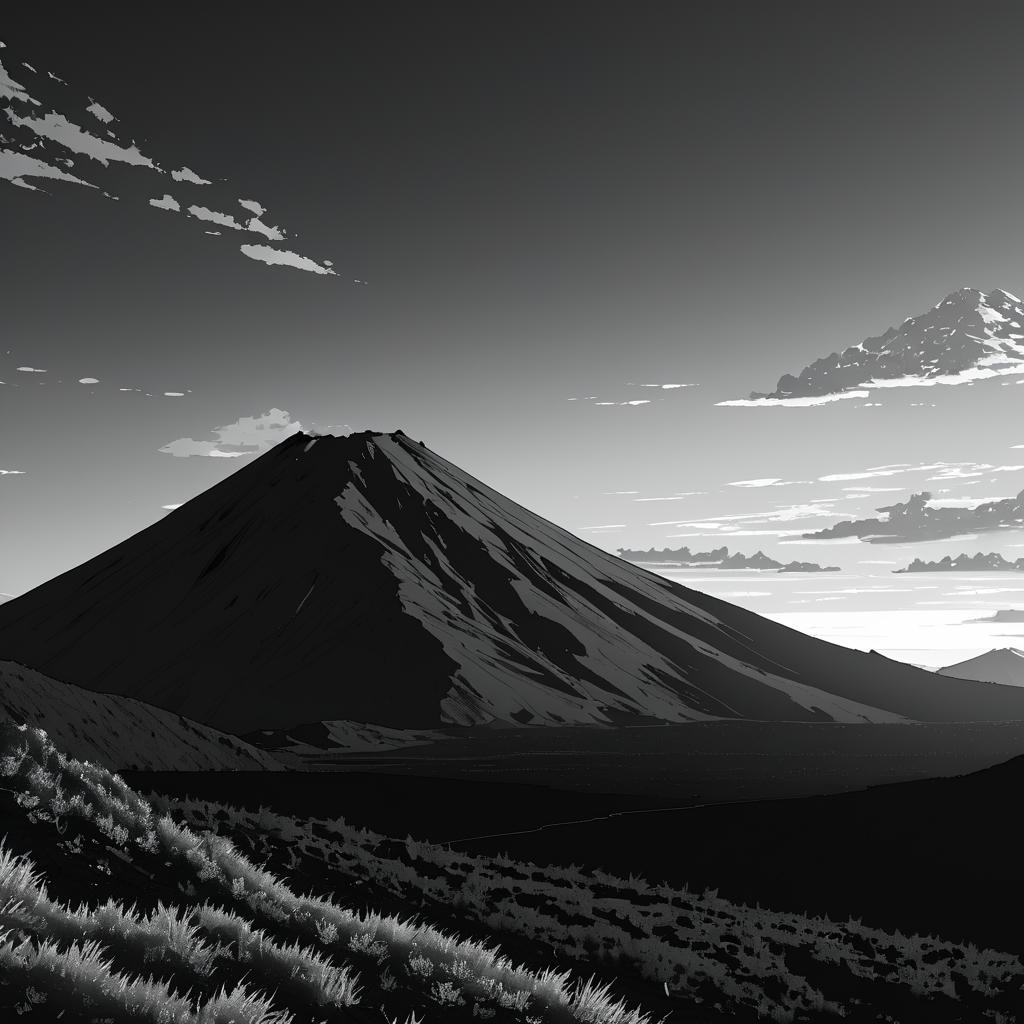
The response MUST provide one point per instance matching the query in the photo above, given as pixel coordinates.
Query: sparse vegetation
(224, 937)
(697, 947)
(251, 924)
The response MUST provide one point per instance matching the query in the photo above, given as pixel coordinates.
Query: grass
(252, 934)
(200, 923)
(696, 948)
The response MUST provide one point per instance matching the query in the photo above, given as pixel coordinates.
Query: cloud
(597, 400)
(171, 508)
(66, 133)
(185, 174)
(872, 490)
(736, 533)
(805, 400)
(168, 202)
(917, 519)
(16, 167)
(248, 435)
(87, 380)
(869, 474)
(30, 369)
(12, 472)
(215, 216)
(283, 258)
(12, 90)
(943, 471)
(100, 112)
(44, 136)
(767, 481)
(673, 497)
(780, 514)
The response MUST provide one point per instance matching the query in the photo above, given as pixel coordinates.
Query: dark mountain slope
(365, 578)
(120, 731)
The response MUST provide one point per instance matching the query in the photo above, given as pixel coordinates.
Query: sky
(529, 210)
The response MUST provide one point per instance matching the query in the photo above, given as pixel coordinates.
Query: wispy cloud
(673, 497)
(285, 258)
(48, 131)
(793, 403)
(651, 395)
(767, 481)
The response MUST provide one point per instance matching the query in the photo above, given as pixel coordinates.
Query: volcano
(365, 578)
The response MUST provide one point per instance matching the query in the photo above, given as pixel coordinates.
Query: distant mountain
(1003, 615)
(970, 334)
(992, 562)
(364, 578)
(808, 567)
(1004, 666)
(119, 731)
(720, 558)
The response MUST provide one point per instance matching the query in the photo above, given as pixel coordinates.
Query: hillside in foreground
(157, 911)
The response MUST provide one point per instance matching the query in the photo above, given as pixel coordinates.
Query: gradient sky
(547, 201)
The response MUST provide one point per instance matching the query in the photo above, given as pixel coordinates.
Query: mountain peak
(365, 578)
(1003, 665)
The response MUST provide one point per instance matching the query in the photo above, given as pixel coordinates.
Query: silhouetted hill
(1003, 615)
(917, 856)
(364, 578)
(1004, 666)
(121, 731)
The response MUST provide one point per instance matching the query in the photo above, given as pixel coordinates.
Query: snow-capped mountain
(1004, 665)
(969, 335)
(364, 578)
